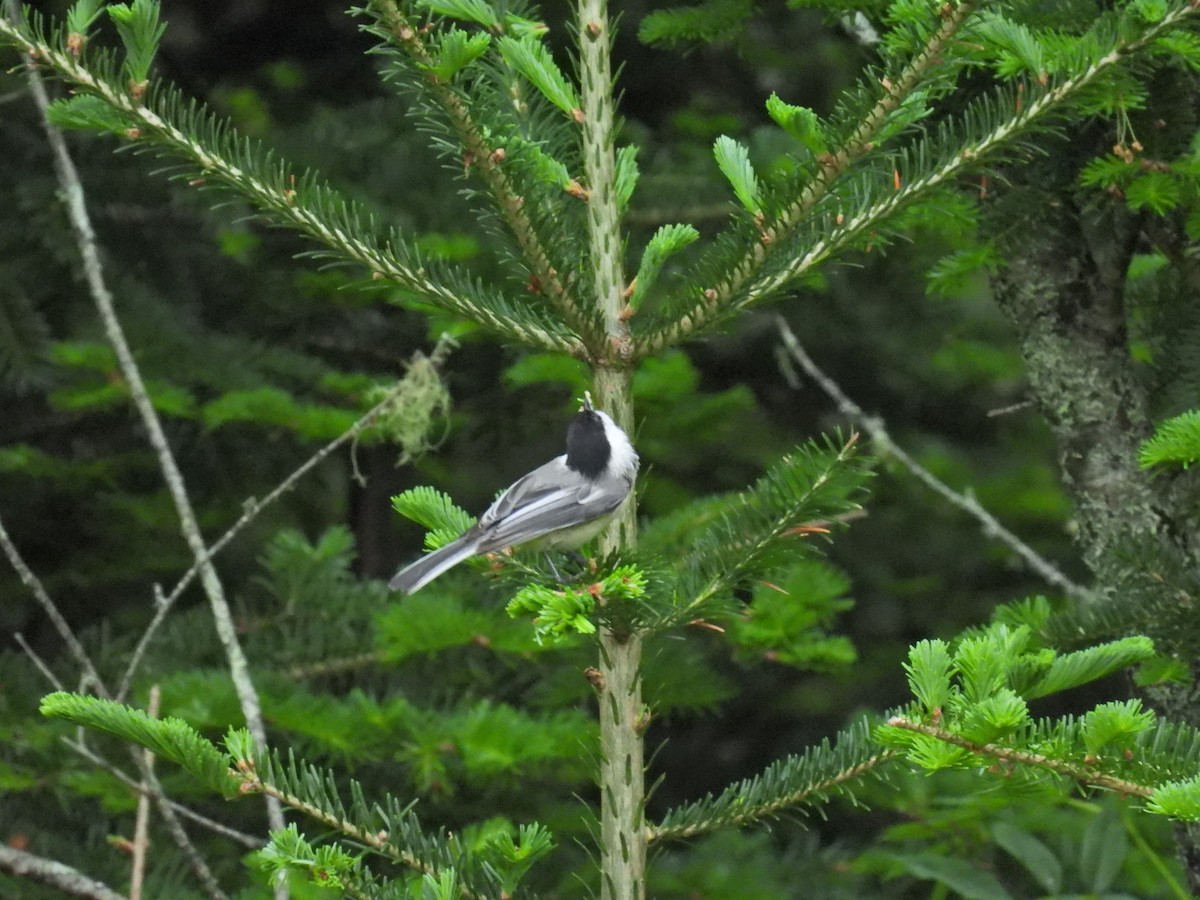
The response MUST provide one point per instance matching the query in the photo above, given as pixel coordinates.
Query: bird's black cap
(588, 449)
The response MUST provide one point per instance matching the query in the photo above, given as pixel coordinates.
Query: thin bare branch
(252, 508)
(39, 662)
(81, 224)
(885, 446)
(249, 841)
(177, 832)
(49, 607)
(73, 190)
(54, 874)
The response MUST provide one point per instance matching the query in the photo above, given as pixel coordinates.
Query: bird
(558, 506)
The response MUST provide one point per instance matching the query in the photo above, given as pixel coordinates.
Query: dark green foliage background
(213, 303)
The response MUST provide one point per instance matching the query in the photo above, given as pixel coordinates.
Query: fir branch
(457, 50)
(832, 167)
(168, 810)
(337, 666)
(531, 58)
(1176, 440)
(990, 130)
(377, 840)
(327, 866)
(1157, 594)
(173, 126)
(1082, 773)
(81, 16)
(733, 160)
(794, 784)
(140, 30)
(802, 494)
(627, 175)
(800, 122)
(706, 22)
(386, 827)
(1117, 745)
(1172, 750)
(667, 240)
(478, 11)
(435, 512)
(54, 874)
(488, 161)
(882, 440)
(1178, 800)
(1070, 670)
(170, 738)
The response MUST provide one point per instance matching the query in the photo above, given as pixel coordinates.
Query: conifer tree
(959, 92)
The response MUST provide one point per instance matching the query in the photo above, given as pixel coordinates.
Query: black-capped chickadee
(561, 505)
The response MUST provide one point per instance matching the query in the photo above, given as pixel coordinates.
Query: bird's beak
(587, 401)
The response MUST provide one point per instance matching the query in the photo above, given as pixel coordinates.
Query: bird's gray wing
(528, 488)
(533, 506)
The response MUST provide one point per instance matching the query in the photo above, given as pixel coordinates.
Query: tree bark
(1063, 290)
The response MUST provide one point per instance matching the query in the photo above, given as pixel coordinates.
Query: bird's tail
(416, 575)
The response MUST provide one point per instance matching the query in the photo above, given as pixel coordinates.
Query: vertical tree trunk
(622, 770)
(1065, 297)
(622, 831)
(1063, 290)
(622, 719)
